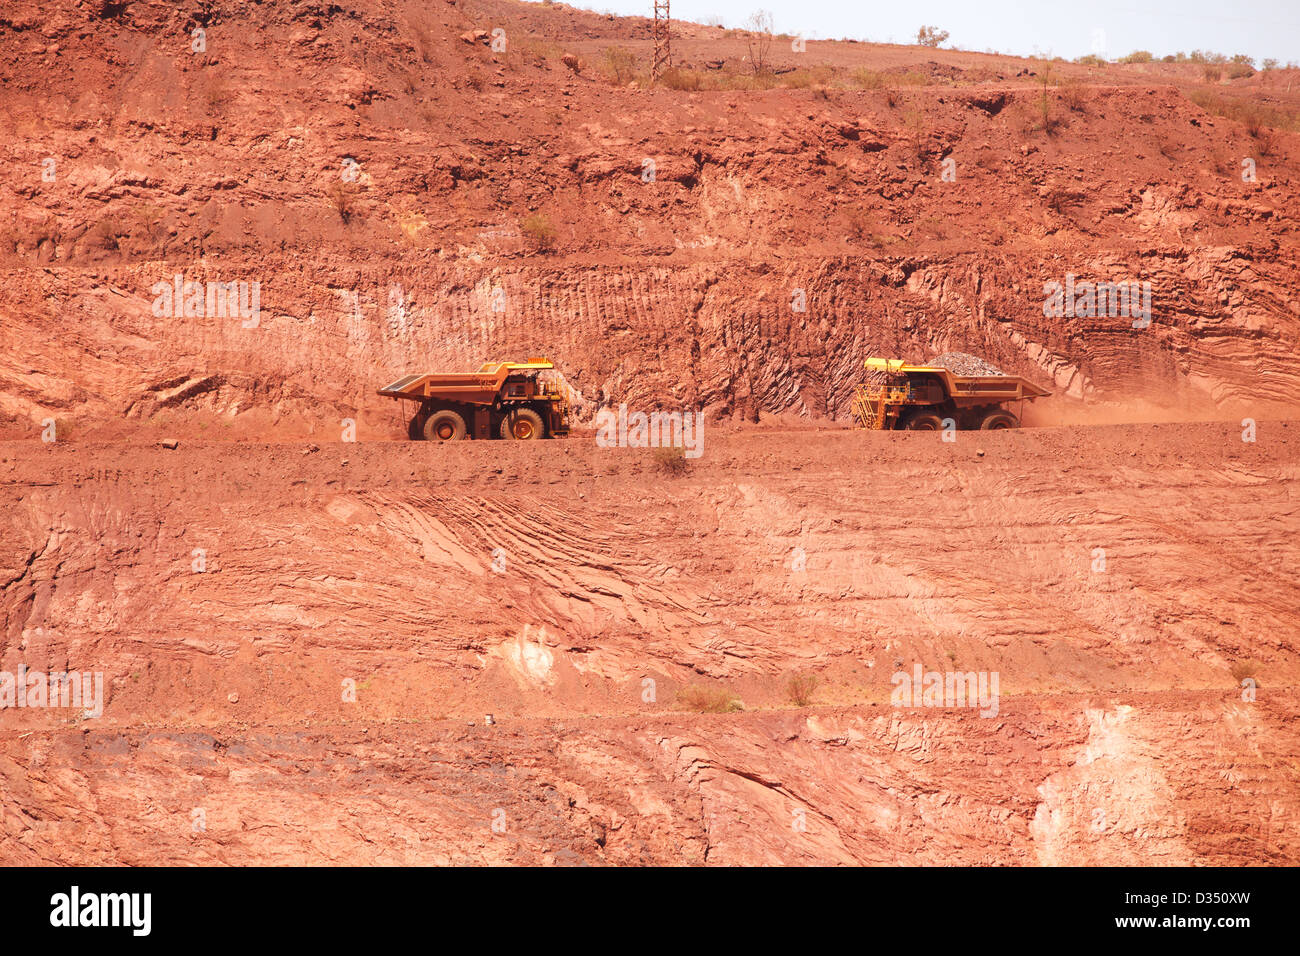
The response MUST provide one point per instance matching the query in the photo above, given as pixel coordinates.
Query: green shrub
(1074, 95)
(675, 78)
(804, 79)
(758, 40)
(857, 223)
(1249, 668)
(1048, 123)
(801, 687)
(867, 79)
(1256, 117)
(105, 234)
(619, 65)
(341, 197)
(931, 36)
(671, 460)
(540, 231)
(705, 699)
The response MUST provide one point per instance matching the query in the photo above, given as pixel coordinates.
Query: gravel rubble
(963, 363)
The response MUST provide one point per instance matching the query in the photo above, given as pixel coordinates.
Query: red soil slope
(300, 640)
(374, 563)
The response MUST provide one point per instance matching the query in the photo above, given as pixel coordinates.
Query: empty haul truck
(514, 400)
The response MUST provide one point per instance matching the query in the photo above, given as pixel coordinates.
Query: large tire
(923, 422)
(444, 425)
(999, 418)
(522, 424)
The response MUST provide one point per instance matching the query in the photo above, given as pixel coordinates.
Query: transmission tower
(663, 57)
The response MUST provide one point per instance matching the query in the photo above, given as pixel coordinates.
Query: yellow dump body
(472, 388)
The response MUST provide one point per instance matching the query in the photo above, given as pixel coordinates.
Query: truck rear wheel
(444, 425)
(522, 424)
(999, 418)
(923, 422)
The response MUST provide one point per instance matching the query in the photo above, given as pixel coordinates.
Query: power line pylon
(663, 57)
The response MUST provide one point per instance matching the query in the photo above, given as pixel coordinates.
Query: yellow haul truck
(919, 397)
(502, 399)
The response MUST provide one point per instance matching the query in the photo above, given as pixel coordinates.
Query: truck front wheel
(444, 425)
(923, 422)
(523, 424)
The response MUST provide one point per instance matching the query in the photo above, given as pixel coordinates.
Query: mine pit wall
(724, 337)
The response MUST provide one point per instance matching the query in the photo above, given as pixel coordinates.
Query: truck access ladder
(872, 400)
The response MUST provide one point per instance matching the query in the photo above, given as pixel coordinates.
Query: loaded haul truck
(897, 395)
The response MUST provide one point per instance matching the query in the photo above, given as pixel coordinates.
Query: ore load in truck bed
(963, 363)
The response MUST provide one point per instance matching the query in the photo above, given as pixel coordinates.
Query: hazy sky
(1258, 28)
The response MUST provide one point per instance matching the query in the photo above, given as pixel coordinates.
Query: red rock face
(286, 629)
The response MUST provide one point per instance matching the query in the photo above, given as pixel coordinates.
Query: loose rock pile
(963, 363)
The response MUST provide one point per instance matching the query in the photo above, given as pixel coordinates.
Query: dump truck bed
(990, 388)
(472, 388)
